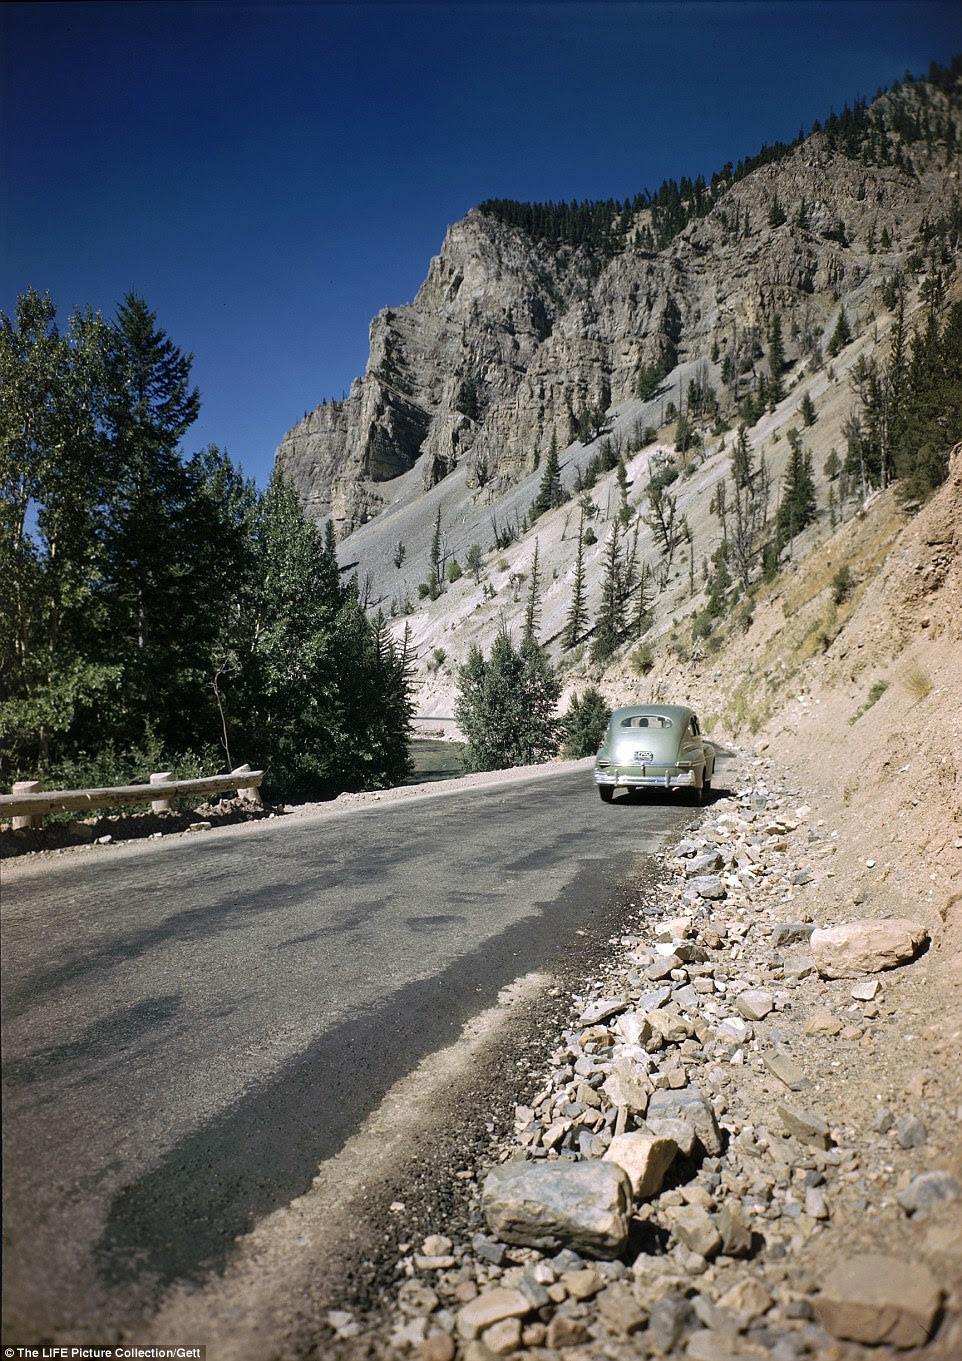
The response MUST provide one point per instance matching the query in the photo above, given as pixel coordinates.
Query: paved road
(190, 1027)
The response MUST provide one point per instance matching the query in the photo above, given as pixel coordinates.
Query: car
(654, 746)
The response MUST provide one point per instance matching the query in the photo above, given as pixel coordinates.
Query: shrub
(842, 584)
(454, 571)
(585, 724)
(917, 681)
(642, 659)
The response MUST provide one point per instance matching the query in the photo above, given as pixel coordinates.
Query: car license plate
(644, 756)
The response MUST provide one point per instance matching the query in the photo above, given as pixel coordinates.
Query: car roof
(677, 712)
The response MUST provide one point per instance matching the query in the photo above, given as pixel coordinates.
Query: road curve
(189, 1031)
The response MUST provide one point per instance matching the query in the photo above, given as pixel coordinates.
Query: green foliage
(505, 705)
(642, 659)
(842, 584)
(454, 572)
(161, 611)
(551, 492)
(584, 724)
(841, 336)
(649, 379)
(473, 560)
(807, 410)
(797, 507)
(577, 615)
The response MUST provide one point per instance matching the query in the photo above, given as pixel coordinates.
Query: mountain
(725, 303)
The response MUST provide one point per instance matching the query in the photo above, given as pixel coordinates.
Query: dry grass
(916, 681)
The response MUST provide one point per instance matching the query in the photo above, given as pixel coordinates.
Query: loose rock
(867, 946)
(584, 1205)
(875, 1298)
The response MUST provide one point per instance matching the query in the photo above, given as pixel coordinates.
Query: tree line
(875, 133)
(161, 612)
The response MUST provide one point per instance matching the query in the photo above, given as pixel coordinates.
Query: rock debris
(681, 1180)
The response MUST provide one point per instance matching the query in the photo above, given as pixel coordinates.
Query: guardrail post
(162, 805)
(250, 793)
(27, 823)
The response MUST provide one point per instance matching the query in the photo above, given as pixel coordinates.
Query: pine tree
(551, 490)
(742, 470)
(533, 608)
(584, 724)
(609, 621)
(797, 507)
(841, 335)
(152, 588)
(577, 617)
(437, 550)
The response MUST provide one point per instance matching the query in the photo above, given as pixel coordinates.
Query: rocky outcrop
(508, 337)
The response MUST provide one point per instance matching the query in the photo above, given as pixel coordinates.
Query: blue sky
(269, 176)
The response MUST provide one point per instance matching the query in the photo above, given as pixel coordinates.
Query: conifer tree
(437, 550)
(841, 335)
(533, 608)
(797, 506)
(551, 490)
(577, 618)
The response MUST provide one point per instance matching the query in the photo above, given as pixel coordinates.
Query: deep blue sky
(269, 176)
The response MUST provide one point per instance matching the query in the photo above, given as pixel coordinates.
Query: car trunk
(651, 748)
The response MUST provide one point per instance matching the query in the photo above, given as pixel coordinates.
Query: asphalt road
(190, 1027)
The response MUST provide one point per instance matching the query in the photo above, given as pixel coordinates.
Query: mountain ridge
(536, 334)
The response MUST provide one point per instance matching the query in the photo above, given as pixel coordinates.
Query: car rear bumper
(672, 778)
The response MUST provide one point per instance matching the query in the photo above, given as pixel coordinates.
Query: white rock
(645, 1157)
(866, 946)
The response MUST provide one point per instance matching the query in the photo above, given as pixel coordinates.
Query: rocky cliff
(511, 337)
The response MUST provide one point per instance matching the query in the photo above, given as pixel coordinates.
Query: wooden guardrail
(28, 803)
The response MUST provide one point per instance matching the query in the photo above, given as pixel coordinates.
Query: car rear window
(646, 721)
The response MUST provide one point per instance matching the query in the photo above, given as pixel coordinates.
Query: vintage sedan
(654, 746)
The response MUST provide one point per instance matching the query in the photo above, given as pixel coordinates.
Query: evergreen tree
(437, 550)
(551, 491)
(577, 617)
(152, 590)
(797, 506)
(584, 724)
(609, 623)
(533, 608)
(841, 336)
(807, 410)
(742, 470)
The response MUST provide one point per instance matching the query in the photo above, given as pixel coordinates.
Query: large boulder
(579, 1205)
(867, 946)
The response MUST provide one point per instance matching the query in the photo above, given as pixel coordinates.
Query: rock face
(509, 337)
(866, 946)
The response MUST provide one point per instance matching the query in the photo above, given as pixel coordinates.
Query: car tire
(605, 793)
